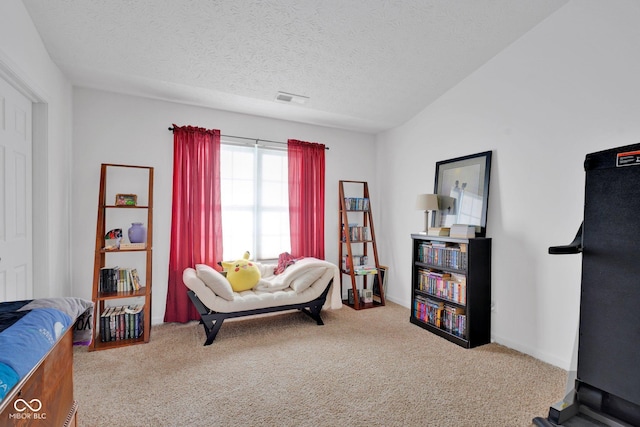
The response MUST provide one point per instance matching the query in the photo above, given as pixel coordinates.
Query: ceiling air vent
(289, 98)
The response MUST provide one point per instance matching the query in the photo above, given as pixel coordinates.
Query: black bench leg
(212, 331)
(314, 313)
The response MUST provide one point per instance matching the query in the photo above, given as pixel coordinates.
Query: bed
(36, 359)
(308, 285)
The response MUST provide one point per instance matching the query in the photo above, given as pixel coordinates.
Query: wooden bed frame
(212, 320)
(51, 383)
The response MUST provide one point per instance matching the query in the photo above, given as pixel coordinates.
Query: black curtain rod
(254, 139)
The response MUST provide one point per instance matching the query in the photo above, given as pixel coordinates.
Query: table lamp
(427, 203)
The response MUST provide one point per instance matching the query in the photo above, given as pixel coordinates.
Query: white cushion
(306, 279)
(215, 281)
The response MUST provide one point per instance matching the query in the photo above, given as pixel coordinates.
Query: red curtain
(196, 222)
(306, 198)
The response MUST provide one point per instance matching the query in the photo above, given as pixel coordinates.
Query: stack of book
(438, 231)
(121, 323)
(463, 231)
(362, 270)
(131, 246)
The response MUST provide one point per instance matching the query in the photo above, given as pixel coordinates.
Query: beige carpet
(362, 368)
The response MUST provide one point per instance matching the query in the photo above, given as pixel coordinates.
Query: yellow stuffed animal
(242, 274)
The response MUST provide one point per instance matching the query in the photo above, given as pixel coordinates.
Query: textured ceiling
(366, 65)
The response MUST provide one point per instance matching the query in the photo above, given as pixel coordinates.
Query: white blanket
(299, 276)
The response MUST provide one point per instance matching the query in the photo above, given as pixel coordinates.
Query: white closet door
(16, 281)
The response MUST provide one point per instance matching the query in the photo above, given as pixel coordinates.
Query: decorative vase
(137, 233)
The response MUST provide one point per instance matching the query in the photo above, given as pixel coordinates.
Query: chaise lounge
(309, 285)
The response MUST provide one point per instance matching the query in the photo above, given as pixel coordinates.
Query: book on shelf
(121, 322)
(459, 284)
(135, 279)
(135, 315)
(440, 244)
(108, 279)
(463, 231)
(112, 323)
(129, 246)
(438, 231)
(105, 328)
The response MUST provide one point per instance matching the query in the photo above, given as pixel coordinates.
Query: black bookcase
(451, 288)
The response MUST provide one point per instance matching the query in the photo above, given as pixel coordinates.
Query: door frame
(16, 78)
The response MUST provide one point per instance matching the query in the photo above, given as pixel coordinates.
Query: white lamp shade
(427, 202)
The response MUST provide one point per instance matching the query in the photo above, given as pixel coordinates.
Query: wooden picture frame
(464, 183)
(126, 200)
(382, 274)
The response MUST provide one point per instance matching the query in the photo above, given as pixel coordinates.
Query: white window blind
(255, 207)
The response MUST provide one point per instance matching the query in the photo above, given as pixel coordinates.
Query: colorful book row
(452, 287)
(357, 233)
(116, 279)
(122, 323)
(441, 315)
(441, 255)
(356, 203)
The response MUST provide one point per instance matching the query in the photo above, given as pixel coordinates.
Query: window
(255, 201)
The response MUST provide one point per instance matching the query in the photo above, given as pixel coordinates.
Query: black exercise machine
(606, 390)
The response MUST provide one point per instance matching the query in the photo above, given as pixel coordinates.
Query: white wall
(113, 128)
(24, 59)
(567, 88)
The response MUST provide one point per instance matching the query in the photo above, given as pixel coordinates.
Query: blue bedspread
(29, 328)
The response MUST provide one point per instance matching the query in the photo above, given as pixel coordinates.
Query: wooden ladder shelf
(361, 277)
(140, 177)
